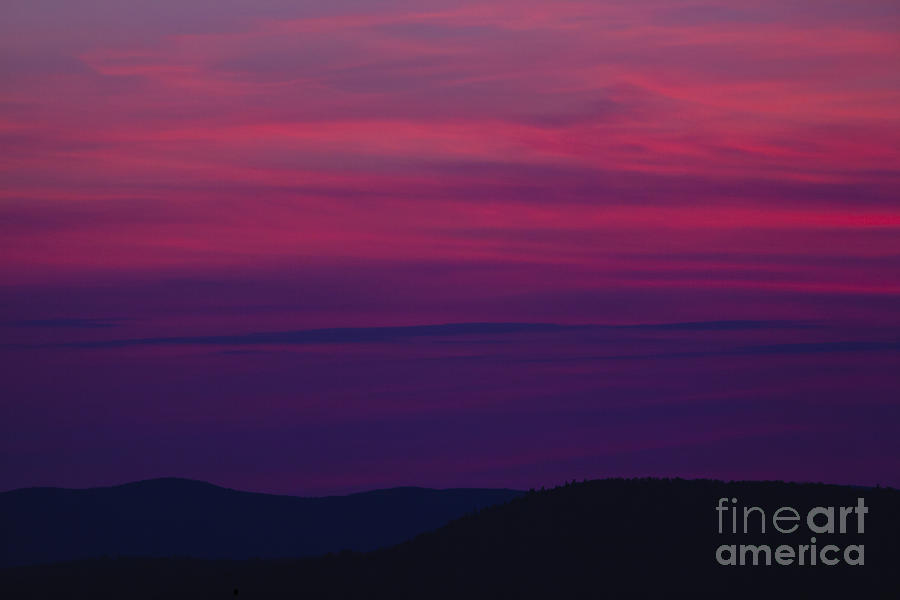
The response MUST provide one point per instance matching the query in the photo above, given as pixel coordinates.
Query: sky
(319, 247)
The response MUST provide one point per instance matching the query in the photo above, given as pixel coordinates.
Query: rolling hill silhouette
(640, 538)
(181, 517)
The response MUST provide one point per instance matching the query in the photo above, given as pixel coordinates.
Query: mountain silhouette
(181, 517)
(638, 538)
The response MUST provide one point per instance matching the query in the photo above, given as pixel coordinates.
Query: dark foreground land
(180, 517)
(642, 538)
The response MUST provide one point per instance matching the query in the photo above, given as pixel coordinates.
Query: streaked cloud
(218, 219)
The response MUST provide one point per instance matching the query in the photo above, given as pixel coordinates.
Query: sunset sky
(272, 244)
